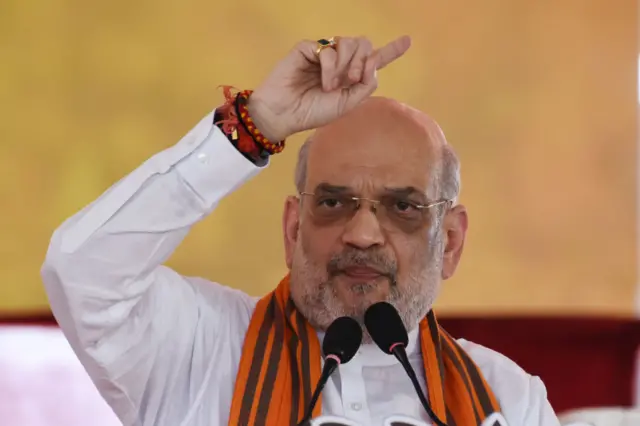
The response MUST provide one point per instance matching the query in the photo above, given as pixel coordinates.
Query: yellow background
(539, 98)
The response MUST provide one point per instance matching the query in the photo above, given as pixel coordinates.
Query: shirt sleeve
(539, 411)
(126, 316)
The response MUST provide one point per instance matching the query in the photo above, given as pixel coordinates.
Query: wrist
(268, 123)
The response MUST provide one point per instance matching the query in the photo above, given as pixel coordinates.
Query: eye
(404, 206)
(329, 202)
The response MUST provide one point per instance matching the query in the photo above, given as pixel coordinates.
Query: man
(375, 219)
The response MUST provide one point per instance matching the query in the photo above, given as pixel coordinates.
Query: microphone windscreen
(342, 339)
(385, 326)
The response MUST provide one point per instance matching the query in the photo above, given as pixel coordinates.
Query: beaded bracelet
(242, 99)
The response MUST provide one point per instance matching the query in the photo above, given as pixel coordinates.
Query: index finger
(392, 51)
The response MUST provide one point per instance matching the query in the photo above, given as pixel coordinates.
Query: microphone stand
(401, 354)
(330, 366)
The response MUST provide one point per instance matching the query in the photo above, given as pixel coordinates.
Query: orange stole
(281, 363)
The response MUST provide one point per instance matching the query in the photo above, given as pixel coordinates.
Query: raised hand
(308, 89)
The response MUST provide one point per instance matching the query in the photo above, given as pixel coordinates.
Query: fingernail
(355, 74)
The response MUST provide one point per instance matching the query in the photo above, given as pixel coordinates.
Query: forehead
(375, 148)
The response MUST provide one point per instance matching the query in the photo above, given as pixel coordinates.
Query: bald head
(382, 130)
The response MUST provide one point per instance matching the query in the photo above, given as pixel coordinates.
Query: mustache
(372, 258)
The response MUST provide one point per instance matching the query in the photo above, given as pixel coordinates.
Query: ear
(454, 228)
(290, 226)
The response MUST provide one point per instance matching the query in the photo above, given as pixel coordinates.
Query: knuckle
(346, 42)
(302, 45)
(366, 43)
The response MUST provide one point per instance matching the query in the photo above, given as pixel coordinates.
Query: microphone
(387, 330)
(340, 344)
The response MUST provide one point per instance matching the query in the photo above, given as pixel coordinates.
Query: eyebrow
(409, 192)
(332, 189)
(405, 191)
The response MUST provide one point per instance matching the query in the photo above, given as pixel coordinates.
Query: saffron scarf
(281, 364)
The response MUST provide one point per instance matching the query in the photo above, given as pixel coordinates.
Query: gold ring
(323, 43)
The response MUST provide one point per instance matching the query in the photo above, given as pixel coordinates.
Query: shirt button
(203, 158)
(356, 406)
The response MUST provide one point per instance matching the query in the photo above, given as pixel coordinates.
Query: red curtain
(584, 362)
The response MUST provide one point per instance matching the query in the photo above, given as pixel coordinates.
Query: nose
(363, 230)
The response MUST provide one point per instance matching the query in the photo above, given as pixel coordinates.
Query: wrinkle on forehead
(381, 140)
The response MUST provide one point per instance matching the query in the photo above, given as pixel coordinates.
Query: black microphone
(386, 329)
(340, 344)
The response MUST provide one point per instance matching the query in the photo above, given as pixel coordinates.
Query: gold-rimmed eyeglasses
(393, 211)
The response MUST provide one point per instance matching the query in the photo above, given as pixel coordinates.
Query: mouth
(362, 272)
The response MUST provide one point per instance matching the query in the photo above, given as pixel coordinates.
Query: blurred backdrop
(539, 99)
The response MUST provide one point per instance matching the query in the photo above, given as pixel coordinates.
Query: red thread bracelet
(232, 127)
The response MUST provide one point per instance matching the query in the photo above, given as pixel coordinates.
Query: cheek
(414, 254)
(317, 244)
